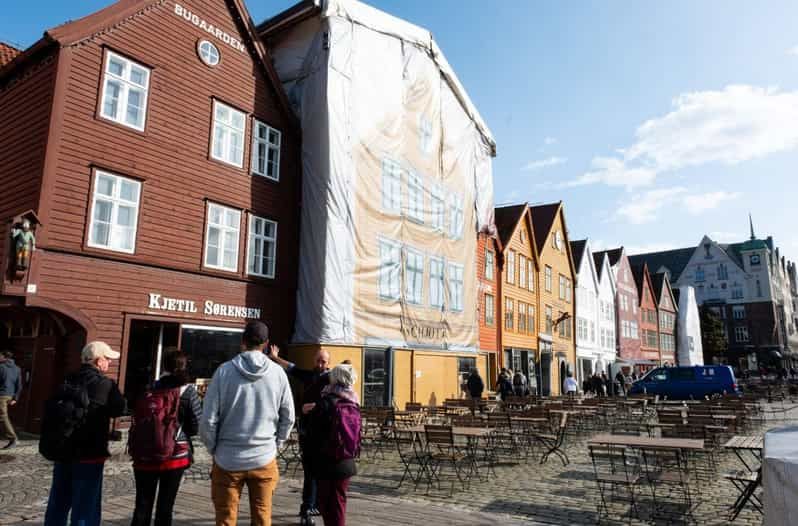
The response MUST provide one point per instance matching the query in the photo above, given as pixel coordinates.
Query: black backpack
(64, 415)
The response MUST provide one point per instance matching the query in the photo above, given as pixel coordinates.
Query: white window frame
(414, 284)
(456, 216)
(738, 312)
(510, 267)
(530, 270)
(415, 196)
(391, 187)
(115, 200)
(437, 282)
(269, 146)
(126, 85)
(265, 241)
(548, 278)
(223, 230)
(390, 280)
(229, 130)
(206, 47)
(455, 275)
(489, 264)
(490, 310)
(741, 334)
(522, 271)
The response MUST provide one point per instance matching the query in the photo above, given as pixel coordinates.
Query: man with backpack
(475, 387)
(248, 413)
(313, 382)
(519, 384)
(159, 440)
(74, 434)
(10, 386)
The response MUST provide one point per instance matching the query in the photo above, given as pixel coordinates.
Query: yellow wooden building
(556, 279)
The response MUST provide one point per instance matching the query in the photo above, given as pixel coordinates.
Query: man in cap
(248, 413)
(77, 481)
(10, 386)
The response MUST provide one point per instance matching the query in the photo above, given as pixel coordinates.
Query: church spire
(751, 222)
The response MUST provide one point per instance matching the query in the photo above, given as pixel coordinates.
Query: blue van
(685, 383)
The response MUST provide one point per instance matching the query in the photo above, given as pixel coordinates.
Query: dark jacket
(106, 402)
(10, 381)
(190, 410)
(475, 386)
(312, 384)
(319, 432)
(504, 386)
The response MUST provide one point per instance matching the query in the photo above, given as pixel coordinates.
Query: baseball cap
(95, 350)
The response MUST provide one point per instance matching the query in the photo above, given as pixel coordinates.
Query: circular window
(208, 52)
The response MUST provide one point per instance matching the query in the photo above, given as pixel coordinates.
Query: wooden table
(741, 443)
(468, 432)
(687, 444)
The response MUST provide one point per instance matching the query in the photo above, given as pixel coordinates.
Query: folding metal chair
(614, 468)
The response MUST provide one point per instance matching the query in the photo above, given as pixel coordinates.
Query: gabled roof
(673, 260)
(7, 53)
(507, 219)
(578, 252)
(122, 11)
(543, 217)
(641, 275)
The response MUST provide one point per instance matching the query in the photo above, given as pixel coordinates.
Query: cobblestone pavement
(522, 492)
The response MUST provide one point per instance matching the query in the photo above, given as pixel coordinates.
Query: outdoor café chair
(442, 451)
(668, 469)
(554, 443)
(412, 456)
(746, 483)
(289, 454)
(614, 468)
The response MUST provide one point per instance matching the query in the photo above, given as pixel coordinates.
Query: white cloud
(614, 172)
(543, 163)
(726, 237)
(699, 203)
(644, 207)
(793, 51)
(728, 126)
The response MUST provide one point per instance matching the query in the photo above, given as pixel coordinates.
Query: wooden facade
(556, 280)
(667, 309)
(488, 300)
(648, 317)
(161, 292)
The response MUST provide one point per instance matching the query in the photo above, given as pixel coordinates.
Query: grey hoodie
(248, 412)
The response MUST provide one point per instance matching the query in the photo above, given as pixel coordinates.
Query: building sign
(209, 308)
(220, 34)
(417, 330)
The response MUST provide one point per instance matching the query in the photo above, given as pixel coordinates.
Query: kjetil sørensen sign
(209, 307)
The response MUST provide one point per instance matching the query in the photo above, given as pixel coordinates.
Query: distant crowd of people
(245, 418)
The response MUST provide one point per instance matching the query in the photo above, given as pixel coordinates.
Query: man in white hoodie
(248, 413)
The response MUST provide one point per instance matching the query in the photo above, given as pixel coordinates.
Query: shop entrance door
(146, 348)
(376, 378)
(545, 374)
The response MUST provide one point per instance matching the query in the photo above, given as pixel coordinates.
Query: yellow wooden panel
(402, 378)
(436, 378)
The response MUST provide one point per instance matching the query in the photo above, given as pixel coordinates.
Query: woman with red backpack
(164, 421)
(334, 436)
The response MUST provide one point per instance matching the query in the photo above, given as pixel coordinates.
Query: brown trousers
(6, 429)
(226, 489)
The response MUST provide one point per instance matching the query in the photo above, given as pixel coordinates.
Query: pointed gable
(578, 252)
(507, 219)
(543, 218)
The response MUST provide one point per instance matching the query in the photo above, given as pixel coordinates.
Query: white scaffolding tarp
(396, 181)
(689, 350)
(780, 477)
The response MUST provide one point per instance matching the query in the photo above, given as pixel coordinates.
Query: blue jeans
(78, 487)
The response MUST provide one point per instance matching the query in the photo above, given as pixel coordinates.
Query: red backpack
(153, 436)
(343, 442)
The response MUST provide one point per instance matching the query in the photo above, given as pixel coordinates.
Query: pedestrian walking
(620, 380)
(504, 385)
(520, 384)
(334, 440)
(607, 384)
(475, 387)
(313, 382)
(10, 387)
(571, 386)
(248, 413)
(160, 441)
(75, 429)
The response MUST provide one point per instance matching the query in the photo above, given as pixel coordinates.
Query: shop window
(414, 276)
(436, 282)
(262, 247)
(415, 197)
(115, 210)
(125, 87)
(266, 151)
(390, 261)
(456, 287)
(222, 237)
(391, 186)
(229, 129)
(209, 347)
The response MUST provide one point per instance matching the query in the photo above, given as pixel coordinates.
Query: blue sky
(655, 122)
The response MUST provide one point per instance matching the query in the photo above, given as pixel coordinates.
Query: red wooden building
(155, 154)
(648, 318)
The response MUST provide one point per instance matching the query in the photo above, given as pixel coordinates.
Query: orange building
(487, 281)
(556, 304)
(518, 291)
(647, 318)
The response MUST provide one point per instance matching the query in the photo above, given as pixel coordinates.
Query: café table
(686, 444)
(742, 443)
